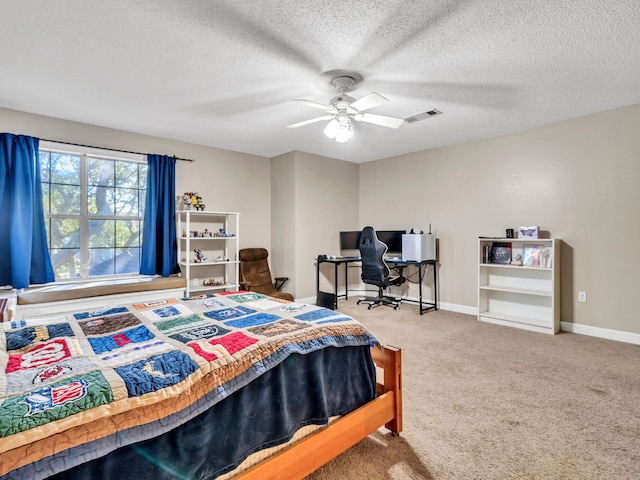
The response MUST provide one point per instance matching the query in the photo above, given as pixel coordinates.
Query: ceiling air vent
(422, 116)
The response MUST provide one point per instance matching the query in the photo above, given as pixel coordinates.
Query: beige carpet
(488, 402)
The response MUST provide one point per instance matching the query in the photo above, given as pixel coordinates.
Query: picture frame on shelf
(501, 253)
(536, 255)
(529, 232)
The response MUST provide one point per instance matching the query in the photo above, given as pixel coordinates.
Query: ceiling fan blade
(326, 108)
(382, 120)
(368, 101)
(307, 122)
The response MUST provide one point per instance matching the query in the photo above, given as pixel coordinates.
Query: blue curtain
(159, 244)
(24, 257)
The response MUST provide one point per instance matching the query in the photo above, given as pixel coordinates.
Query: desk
(336, 263)
(425, 306)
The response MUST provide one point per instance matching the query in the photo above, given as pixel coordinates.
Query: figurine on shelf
(197, 202)
(199, 256)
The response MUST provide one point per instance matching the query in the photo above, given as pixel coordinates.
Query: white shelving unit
(200, 230)
(520, 296)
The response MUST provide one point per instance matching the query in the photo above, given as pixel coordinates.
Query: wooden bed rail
(313, 451)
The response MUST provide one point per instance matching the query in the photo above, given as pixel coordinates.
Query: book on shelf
(501, 253)
(486, 254)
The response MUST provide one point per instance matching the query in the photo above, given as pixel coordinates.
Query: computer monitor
(350, 240)
(391, 238)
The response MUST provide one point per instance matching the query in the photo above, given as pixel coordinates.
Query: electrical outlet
(582, 297)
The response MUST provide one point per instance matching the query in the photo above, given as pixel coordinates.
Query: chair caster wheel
(358, 302)
(396, 307)
(369, 307)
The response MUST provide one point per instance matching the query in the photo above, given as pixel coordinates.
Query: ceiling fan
(342, 109)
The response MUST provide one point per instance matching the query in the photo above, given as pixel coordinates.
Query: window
(94, 209)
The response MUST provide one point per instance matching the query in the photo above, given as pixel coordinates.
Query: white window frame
(85, 151)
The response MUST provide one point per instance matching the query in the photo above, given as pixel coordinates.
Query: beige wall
(326, 203)
(314, 198)
(578, 180)
(227, 181)
(283, 226)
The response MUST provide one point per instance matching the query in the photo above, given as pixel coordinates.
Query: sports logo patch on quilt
(228, 313)
(222, 346)
(323, 315)
(28, 336)
(252, 320)
(120, 339)
(206, 331)
(44, 354)
(53, 402)
(154, 304)
(156, 372)
(264, 303)
(280, 327)
(181, 323)
(99, 313)
(102, 325)
(245, 297)
(25, 380)
(166, 312)
(206, 302)
(134, 351)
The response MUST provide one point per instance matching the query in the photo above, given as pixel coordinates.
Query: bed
(198, 387)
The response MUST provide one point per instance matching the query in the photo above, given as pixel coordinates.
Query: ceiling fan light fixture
(344, 133)
(331, 129)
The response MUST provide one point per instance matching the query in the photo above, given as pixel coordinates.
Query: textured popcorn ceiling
(223, 73)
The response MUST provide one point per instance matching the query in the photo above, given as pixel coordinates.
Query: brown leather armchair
(256, 276)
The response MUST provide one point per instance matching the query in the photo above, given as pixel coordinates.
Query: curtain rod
(110, 149)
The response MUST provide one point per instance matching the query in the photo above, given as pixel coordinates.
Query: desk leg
(420, 287)
(346, 281)
(335, 280)
(317, 276)
(435, 286)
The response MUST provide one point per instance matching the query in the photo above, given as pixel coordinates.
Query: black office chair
(375, 271)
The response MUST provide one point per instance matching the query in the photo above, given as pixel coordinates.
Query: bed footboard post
(393, 382)
(389, 359)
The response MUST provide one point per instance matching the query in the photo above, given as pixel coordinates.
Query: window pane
(128, 260)
(142, 202)
(126, 174)
(45, 198)
(126, 202)
(101, 261)
(127, 233)
(101, 201)
(142, 175)
(45, 169)
(65, 262)
(101, 233)
(65, 233)
(100, 172)
(65, 199)
(65, 169)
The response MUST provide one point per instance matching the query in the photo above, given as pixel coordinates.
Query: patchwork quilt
(71, 379)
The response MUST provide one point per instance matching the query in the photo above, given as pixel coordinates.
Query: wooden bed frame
(310, 453)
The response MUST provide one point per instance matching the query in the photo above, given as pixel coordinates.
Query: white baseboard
(569, 327)
(452, 307)
(616, 335)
